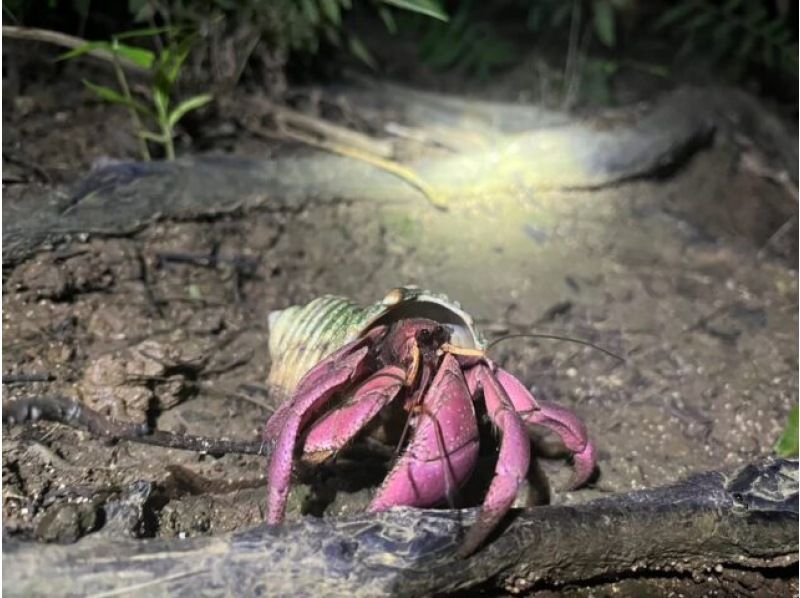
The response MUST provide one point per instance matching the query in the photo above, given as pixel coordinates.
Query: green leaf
(451, 47)
(187, 106)
(109, 95)
(142, 10)
(430, 8)
(171, 60)
(675, 14)
(388, 19)
(359, 50)
(787, 445)
(731, 6)
(9, 14)
(146, 32)
(311, 11)
(331, 10)
(604, 23)
(332, 34)
(84, 49)
(138, 56)
(440, 38)
(699, 20)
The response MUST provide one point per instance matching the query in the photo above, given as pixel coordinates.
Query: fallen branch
(709, 526)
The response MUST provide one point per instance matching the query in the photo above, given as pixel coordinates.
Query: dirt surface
(679, 275)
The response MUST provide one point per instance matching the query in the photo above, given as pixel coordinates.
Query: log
(574, 155)
(745, 519)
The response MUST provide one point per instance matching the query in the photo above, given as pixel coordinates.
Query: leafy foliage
(461, 43)
(734, 32)
(284, 26)
(553, 14)
(165, 68)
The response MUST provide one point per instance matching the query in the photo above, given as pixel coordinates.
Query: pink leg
(274, 424)
(332, 374)
(512, 463)
(443, 449)
(334, 430)
(558, 419)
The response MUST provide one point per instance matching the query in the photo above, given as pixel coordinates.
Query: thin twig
(776, 236)
(72, 413)
(66, 41)
(27, 378)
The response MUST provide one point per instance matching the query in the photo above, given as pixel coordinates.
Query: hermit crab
(339, 365)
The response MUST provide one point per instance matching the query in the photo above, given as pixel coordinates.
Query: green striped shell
(302, 335)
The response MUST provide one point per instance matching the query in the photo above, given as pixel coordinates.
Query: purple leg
(333, 431)
(512, 463)
(335, 372)
(443, 449)
(558, 419)
(274, 424)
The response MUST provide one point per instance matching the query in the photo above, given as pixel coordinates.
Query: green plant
(553, 14)
(238, 32)
(164, 66)
(585, 20)
(735, 32)
(460, 43)
(787, 445)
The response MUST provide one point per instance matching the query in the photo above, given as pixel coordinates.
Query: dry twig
(72, 413)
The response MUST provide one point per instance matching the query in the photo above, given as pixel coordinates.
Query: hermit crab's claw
(443, 449)
(562, 421)
(340, 369)
(339, 427)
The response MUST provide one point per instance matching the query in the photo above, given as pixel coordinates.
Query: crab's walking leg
(558, 419)
(512, 463)
(334, 430)
(446, 434)
(335, 372)
(274, 424)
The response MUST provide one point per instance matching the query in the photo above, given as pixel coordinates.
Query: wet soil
(677, 275)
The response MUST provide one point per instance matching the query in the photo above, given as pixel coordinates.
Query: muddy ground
(682, 276)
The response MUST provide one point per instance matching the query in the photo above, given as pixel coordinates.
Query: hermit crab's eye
(424, 336)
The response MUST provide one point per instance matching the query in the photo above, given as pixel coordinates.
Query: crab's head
(415, 340)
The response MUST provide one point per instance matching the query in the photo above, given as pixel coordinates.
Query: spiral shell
(302, 335)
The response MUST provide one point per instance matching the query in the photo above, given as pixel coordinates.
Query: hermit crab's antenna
(556, 337)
